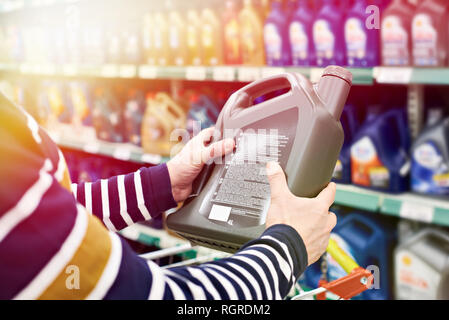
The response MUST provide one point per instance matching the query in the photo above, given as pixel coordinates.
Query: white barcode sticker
(109, 71)
(70, 70)
(224, 74)
(220, 213)
(128, 71)
(151, 158)
(91, 147)
(416, 211)
(196, 73)
(248, 74)
(147, 72)
(122, 153)
(393, 75)
(269, 72)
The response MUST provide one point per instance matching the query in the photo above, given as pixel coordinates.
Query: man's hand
(187, 164)
(310, 217)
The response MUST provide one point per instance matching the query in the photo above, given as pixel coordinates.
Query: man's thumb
(276, 177)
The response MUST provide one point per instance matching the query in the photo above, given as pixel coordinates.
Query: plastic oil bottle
(300, 35)
(160, 39)
(177, 35)
(147, 39)
(193, 33)
(328, 35)
(277, 49)
(361, 43)
(211, 37)
(231, 34)
(251, 35)
(396, 33)
(430, 33)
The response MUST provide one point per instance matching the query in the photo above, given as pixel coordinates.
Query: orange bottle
(211, 37)
(177, 40)
(160, 39)
(231, 34)
(193, 30)
(147, 39)
(251, 35)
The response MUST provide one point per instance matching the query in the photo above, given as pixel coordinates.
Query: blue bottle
(203, 111)
(379, 152)
(328, 35)
(300, 35)
(370, 242)
(277, 47)
(349, 121)
(362, 44)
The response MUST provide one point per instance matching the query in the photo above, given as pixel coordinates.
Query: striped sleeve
(126, 199)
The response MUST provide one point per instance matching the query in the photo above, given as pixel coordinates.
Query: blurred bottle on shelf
(301, 36)
(160, 39)
(81, 104)
(277, 47)
(422, 266)
(203, 113)
(211, 36)
(396, 39)
(131, 44)
(177, 34)
(379, 153)
(231, 34)
(328, 35)
(93, 46)
(430, 34)
(148, 40)
(193, 35)
(132, 116)
(251, 33)
(113, 44)
(362, 44)
(106, 115)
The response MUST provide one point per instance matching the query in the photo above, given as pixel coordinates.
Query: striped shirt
(52, 230)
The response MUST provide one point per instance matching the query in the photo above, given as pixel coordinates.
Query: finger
(206, 135)
(327, 195)
(277, 180)
(218, 149)
(332, 221)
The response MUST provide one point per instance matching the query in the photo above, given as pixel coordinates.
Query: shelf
(407, 205)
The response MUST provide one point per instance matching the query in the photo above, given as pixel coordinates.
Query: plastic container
(430, 160)
(251, 35)
(193, 35)
(342, 171)
(211, 37)
(430, 34)
(231, 34)
(379, 153)
(300, 129)
(177, 40)
(203, 113)
(276, 40)
(362, 44)
(132, 116)
(422, 267)
(160, 39)
(328, 35)
(301, 37)
(370, 242)
(396, 42)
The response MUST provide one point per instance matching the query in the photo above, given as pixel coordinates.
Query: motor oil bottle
(231, 34)
(370, 242)
(300, 129)
(300, 35)
(193, 35)
(430, 34)
(379, 153)
(342, 171)
(396, 34)
(211, 37)
(328, 35)
(162, 116)
(277, 47)
(430, 160)
(160, 39)
(422, 267)
(203, 113)
(362, 44)
(132, 116)
(251, 35)
(177, 39)
(147, 39)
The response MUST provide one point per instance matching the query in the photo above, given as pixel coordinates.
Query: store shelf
(407, 205)
(394, 75)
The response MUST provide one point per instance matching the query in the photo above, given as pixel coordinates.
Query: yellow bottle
(251, 33)
(177, 40)
(147, 39)
(211, 38)
(160, 40)
(193, 29)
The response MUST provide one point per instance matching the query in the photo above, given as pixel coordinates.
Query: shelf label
(70, 70)
(196, 73)
(147, 72)
(316, 74)
(109, 71)
(122, 153)
(248, 74)
(416, 211)
(47, 69)
(393, 75)
(151, 158)
(269, 72)
(224, 74)
(128, 71)
(91, 147)
(26, 68)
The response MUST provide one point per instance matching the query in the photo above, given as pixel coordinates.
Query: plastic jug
(362, 44)
(300, 35)
(177, 39)
(300, 129)
(193, 33)
(342, 171)
(251, 35)
(430, 33)
(203, 113)
(379, 153)
(211, 38)
(162, 116)
(277, 47)
(328, 35)
(396, 39)
(231, 34)
(430, 160)
(422, 267)
(370, 243)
